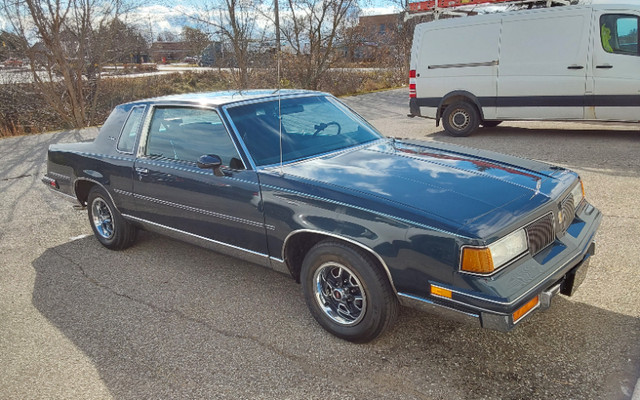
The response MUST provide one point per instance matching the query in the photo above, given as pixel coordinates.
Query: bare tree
(122, 43)
(61, 39)
(167, 36)
(9, 45)
(196, 39)
(235, 22)
(312, 31)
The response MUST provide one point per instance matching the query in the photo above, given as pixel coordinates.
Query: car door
(543, 64)
(172, 192)
(616, 66)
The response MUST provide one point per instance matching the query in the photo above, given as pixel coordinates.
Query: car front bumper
(503, 322)
(564, 275)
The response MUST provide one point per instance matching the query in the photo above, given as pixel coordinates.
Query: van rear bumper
(414, 108)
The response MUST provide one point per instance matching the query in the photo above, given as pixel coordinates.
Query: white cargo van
(560, 63)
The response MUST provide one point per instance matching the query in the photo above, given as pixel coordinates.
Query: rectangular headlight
(508, 248)
(578, 194)
(485, 260)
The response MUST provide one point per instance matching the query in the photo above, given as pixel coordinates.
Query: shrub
(24, 111)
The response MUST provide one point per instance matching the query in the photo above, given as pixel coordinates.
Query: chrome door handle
(142, 171)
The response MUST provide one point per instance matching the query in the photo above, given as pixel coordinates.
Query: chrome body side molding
(220, 247)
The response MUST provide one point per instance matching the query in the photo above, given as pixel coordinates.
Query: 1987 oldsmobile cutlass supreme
(296, 181)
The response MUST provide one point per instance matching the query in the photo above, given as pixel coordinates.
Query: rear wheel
(348, 294)
(460, 119)
(111, 230)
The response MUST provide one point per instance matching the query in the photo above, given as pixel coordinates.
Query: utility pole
(277, 17)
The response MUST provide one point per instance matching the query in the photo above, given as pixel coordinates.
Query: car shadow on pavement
(165, 319)
(577, 145)
(24, 158)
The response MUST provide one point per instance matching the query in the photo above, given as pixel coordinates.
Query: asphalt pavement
(165, 319)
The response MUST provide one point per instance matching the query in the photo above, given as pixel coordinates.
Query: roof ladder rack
(436, 8)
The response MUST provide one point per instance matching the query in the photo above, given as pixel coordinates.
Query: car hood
(466, 191)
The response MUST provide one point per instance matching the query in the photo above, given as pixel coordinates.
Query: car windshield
(310, 126)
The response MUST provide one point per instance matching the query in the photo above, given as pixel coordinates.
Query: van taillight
(412, 83)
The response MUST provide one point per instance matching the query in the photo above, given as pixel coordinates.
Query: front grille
(568, 214)
(540, 233)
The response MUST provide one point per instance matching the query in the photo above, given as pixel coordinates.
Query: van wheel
(460, 119)
(490, 124)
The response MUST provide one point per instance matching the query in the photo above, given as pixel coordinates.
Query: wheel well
(298, 245)
(447, 101)
(82, 190)
(455, 99)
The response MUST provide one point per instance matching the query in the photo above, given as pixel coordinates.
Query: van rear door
(616, 66)
(543, 64)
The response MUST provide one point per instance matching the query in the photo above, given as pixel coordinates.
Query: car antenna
(279, 108)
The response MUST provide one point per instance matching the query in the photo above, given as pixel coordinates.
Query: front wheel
(111, 230)
(460, 119)
(348, 294)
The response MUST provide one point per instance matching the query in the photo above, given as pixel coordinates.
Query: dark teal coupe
(296, 181)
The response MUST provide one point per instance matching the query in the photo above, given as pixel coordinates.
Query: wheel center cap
(459, 119)
(338, 294)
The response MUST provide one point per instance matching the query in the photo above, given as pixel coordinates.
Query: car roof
(227, 97)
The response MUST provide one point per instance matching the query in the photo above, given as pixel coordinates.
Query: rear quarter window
(130, 130)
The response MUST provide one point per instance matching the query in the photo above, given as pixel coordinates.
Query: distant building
(169, 51)
(372, 38)
(380, 28)
(379, 36)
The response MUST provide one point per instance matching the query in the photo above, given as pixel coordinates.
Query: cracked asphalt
(165, 319)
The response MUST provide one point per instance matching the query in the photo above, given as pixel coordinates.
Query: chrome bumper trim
(429, 306)
(498, 322)
(545, 297)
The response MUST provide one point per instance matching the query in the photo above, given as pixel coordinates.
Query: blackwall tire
(460, 119)
(347, 293)
(111, 230)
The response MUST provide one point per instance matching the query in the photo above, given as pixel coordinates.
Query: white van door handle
(604, 66)
(575, 67)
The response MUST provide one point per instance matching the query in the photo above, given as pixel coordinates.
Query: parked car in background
(191, 60)
(296, 181)
(562, 63)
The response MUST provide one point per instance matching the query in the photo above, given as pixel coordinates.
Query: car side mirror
(210, 161)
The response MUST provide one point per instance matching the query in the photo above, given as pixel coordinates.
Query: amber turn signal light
(522, 311)
(442, 292)
(477, 260)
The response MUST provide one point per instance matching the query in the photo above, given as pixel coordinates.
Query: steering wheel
(322, 126)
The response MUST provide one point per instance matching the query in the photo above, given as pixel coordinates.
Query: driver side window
(185, 134)
(619, 34)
